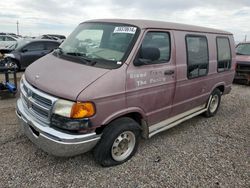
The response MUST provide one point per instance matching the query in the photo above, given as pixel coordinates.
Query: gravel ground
(200, 152)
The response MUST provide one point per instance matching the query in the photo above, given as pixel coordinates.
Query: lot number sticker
(130, 30)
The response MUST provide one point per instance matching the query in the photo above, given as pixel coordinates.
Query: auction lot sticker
(130, 30)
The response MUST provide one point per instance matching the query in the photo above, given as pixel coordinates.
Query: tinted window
(159, 41)
(36, 46)
(224, 57)
(51, 45)
(197, 56)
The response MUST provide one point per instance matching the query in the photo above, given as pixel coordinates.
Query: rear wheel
(213, 103)
(119, 142)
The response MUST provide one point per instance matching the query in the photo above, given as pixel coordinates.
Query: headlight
(74, 110)
(9, 55)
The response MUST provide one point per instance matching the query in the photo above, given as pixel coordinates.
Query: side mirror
(147, 55)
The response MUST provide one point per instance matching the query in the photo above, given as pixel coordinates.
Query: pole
(17, 27)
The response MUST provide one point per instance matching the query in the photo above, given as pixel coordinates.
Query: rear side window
(36, 46)
(51, 45)
(197, 56)
(224, 57)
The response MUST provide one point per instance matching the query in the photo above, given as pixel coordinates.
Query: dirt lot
(200, 152)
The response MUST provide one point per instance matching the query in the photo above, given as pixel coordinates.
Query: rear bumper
(53, 141)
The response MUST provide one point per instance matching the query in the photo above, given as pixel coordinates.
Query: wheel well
(221, 88)
(17, 62)
(137, 117)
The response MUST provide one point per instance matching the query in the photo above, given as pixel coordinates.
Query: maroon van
(114, 81)
(243, 62)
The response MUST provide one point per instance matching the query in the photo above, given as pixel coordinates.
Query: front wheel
(213, 103)
(119, 142)
(15, 63)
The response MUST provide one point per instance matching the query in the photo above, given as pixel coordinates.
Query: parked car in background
(59, 38)
(243, 63)
(11, 34)
(7, 40)
(26, 52)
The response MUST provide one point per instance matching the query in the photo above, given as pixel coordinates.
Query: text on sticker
(130, 30)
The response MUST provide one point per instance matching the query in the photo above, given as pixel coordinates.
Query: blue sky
(37, 17)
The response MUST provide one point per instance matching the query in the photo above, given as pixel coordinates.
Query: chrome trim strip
(171, 122)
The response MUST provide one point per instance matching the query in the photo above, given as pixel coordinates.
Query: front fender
(123, 113)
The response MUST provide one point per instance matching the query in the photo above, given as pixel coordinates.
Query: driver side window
(35, 47)
(155, 48)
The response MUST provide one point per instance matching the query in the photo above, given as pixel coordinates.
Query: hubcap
(214, 103)
(123, 146)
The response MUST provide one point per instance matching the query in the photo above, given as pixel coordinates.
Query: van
(243, 63)
(113, 81)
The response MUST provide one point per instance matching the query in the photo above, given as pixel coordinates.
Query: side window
(51, 45)
(224, 57)
(10, 39)
(35, 46)
(197, 56)
(155, 48)
(2, 38)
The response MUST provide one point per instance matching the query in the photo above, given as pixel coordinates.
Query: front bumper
(242, 76)
(53, 141)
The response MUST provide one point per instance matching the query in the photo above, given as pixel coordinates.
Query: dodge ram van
(242, 71)
(113, 81)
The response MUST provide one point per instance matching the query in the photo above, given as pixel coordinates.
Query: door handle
(169, 72)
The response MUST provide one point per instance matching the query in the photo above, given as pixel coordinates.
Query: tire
(17, 63)
(119, 142)
(213, 103)
(248, 82)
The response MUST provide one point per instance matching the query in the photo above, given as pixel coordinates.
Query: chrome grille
(42, 100)
(36, 103)
(243, 66)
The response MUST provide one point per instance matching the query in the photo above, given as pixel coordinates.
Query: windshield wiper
(83, 57)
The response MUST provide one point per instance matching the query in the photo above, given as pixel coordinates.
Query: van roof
(145, 24)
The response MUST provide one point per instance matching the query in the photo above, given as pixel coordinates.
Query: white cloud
(54, 16)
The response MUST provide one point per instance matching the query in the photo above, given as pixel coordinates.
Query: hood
(243, 58)
(61, 78)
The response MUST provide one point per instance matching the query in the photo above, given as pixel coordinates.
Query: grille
(38, 104)
(243, 67)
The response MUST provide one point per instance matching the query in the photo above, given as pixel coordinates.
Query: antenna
(17, 27)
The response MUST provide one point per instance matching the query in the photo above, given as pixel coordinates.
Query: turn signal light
(82, 110)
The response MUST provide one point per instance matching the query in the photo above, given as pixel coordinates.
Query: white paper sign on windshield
(130, 30)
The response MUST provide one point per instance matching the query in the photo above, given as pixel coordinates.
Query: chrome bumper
(53, 141)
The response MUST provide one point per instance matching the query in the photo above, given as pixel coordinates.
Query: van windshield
(243, 49)
(104, 45)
